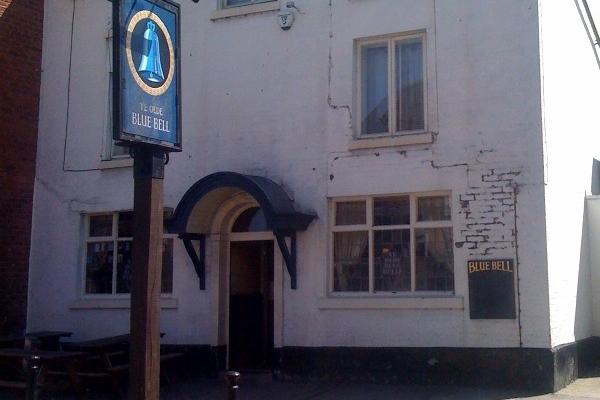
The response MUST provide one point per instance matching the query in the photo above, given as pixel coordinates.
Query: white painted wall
(571, 83)
(262, 101)
(485, 109)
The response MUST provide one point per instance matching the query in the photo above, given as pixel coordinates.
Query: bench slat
(13, 384)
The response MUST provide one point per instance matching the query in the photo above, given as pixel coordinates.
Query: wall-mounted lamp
(287, 15)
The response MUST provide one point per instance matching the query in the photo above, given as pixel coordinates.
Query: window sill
(116, 163)
(244, 10)
(392, 141)
(116, 304)
(391, 303)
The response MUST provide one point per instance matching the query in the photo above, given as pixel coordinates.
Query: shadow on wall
(583, 307)
(586, 327)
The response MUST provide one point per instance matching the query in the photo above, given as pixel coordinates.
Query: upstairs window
(391, 88)
(238, 3)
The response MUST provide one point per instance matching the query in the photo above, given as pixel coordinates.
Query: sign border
(125, 138)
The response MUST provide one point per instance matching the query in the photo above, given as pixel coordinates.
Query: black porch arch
(281, 216)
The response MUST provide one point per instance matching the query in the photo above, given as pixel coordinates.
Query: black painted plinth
(535, 370)
(539, 370)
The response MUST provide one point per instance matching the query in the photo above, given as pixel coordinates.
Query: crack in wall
(330, 102)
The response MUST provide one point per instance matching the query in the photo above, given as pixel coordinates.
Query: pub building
(380, 190)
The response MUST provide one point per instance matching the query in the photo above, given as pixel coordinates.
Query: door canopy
(204, 197)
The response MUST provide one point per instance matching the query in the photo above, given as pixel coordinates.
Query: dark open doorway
(251, 305)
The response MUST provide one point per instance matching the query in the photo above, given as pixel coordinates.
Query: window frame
(371, 229)
(223, 4)
(390, 40)
(109, 144)
(115, 239)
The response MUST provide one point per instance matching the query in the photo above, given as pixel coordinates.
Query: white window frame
(223, 3)
(108, 150)
(114, 238)
(391, 41)
(370, 228)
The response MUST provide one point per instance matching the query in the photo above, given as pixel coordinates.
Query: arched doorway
(251, 292)
(231, 225)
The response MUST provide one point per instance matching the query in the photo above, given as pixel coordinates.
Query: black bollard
(232, 379)
(33, 365)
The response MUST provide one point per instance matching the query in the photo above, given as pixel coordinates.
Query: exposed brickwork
(21, 24)
(488, 210)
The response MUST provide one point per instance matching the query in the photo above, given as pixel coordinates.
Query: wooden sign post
(147, 116)
(144, 375)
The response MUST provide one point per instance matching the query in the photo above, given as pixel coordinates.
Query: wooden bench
(111, 355)
(38, 363)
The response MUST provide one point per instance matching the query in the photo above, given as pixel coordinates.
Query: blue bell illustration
(150, 67)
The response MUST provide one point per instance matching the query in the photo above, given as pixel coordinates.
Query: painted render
(569, 75)
(262, 101)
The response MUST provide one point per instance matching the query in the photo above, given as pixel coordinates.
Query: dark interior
(251, 306)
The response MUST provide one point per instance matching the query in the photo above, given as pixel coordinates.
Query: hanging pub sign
(491, 289)
(146, 78)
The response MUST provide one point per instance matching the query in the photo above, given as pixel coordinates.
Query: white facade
(508, 133)
(569, 71)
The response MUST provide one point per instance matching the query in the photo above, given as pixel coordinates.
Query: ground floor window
(399, 243)
(108, 256)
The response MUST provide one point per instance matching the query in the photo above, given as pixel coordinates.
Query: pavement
(262, 387)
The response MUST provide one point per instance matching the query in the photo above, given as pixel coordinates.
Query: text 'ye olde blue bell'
(150, 67)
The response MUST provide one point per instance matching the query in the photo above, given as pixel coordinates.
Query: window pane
(433, 208)
(435, 259)
(237, 2)
(351, 213)
(126, 224)
(167, 266)
(99, 267)
(374, 84)
(391, 211)
(124, 266)
(167, 215)
(351, 261)
(392, 260)
(101, 225)
(233, 3)
(409, 85)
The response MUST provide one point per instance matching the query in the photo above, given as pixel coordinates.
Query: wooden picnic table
(46, 340)
(113, 354)
(11, 341)
(101, 345)
(36, 366)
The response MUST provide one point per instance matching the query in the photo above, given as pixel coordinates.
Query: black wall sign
(491, 289)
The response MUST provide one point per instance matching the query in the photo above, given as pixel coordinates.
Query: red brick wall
(20, 67)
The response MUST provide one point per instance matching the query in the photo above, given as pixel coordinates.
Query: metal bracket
(198, 259)
(289, 255)
(148, 161)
